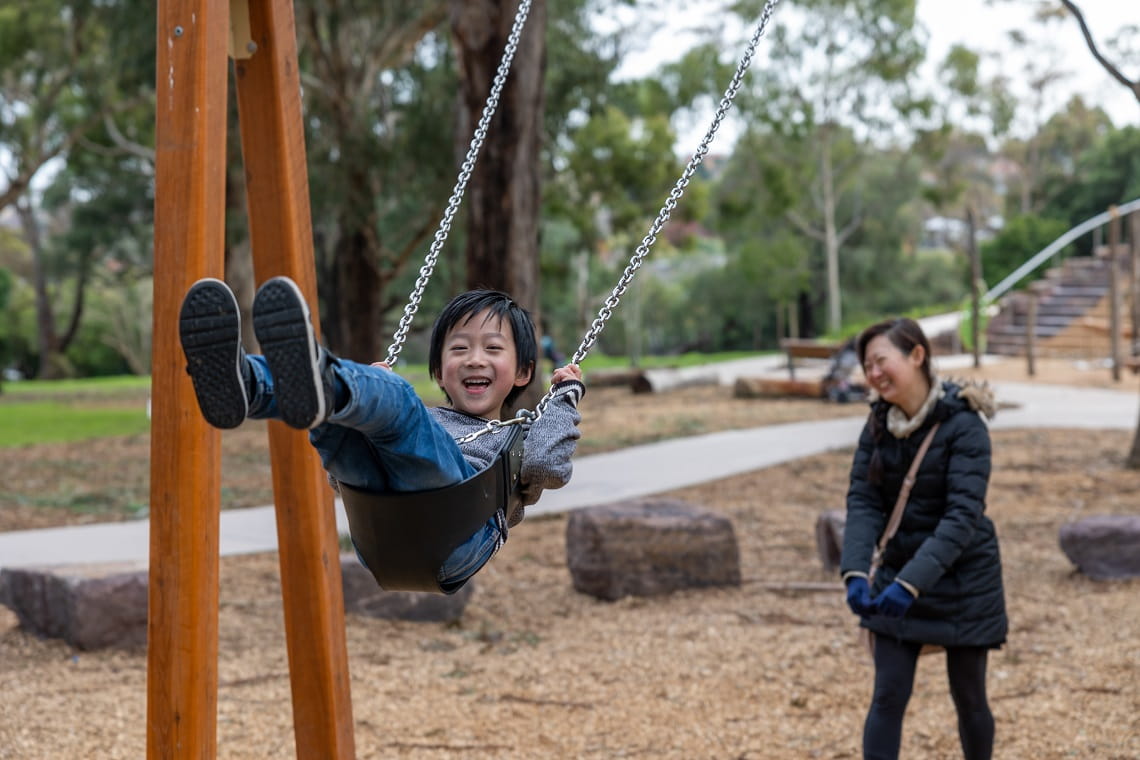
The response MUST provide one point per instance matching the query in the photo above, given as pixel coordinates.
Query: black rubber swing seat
(404, 538)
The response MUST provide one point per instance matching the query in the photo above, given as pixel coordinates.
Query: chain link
(465, 171)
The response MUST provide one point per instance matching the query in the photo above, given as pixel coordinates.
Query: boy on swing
(371, 430)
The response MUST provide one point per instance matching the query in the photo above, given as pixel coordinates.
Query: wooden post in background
(185, 452)
(277, 191)
(975, 287)
(1134, 287)
(1114, 291)
(1031, 334)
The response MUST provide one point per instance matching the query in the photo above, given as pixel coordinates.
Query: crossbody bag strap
(900, 503)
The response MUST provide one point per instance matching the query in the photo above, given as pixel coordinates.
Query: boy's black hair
(465, 306)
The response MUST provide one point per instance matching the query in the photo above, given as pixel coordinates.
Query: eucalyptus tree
(505, 194)
(618, 169)
(378, 83)
(833, 68)
(382, 126)
(68, 72)
(1060, 142)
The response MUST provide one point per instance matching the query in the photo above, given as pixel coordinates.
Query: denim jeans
(383, 439)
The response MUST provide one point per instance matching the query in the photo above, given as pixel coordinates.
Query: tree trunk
(830, 235)
(46, 338)
(975, 287)
(504, 194)
(355, 303)
(354, 310)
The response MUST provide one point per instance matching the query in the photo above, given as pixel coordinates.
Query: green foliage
(1107, 173)
(1020, 238)
(5, 287)
(959, 70)
(881, 283)
(17, 327)
(966, 327)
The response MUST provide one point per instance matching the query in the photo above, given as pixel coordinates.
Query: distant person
(549, 351)
(940, 579)
(837, 384)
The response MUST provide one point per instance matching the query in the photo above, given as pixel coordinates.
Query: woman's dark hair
(465, 306)
(904, 334)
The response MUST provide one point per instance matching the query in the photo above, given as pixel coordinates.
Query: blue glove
(859, 596)
(894, 601)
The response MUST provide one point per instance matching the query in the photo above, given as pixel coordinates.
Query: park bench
(800, 348)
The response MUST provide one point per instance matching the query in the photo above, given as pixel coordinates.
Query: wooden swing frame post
(182, 655)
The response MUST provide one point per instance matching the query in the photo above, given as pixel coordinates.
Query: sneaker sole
(284, 330)
(209, 327)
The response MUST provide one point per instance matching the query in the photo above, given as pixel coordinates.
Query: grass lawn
(58, 422)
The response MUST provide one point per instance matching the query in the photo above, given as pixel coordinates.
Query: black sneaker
(285, 332)
(209, 327)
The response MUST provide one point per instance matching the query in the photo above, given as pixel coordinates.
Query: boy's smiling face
(479, 365)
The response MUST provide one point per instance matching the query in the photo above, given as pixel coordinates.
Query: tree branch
(129, 146)
(853, 225)
(801, 224)
(1114, 72)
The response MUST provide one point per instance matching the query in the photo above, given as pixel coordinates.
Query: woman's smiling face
(892, 373)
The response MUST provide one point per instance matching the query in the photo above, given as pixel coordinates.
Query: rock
(647, 547)
(829, 537)
(364, 597)
(91, 606)
(1104, 547)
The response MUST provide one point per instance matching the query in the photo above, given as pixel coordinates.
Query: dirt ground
(536, 670)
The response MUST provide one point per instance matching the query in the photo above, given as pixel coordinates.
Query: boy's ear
(522, 377)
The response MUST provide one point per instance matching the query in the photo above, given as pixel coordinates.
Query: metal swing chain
(465, 171)
(642, 250)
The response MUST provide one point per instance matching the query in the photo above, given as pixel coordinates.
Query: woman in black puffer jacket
(940, 579)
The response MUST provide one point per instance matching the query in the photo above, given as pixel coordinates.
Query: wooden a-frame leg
(273, 149)
(182, 669)
(185, 463)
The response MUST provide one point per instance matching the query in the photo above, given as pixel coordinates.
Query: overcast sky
(970, 22)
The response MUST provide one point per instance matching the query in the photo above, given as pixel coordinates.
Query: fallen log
(771, 387)
(674, 379)
(613, 377)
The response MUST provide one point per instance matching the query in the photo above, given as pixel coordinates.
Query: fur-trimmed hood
(947, 397)
(978, 394)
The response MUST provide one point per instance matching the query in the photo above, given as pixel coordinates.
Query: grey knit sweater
(550, 444)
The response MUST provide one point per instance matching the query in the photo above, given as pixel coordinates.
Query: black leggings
(895, 663)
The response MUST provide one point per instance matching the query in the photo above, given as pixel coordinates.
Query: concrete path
(632, 472)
